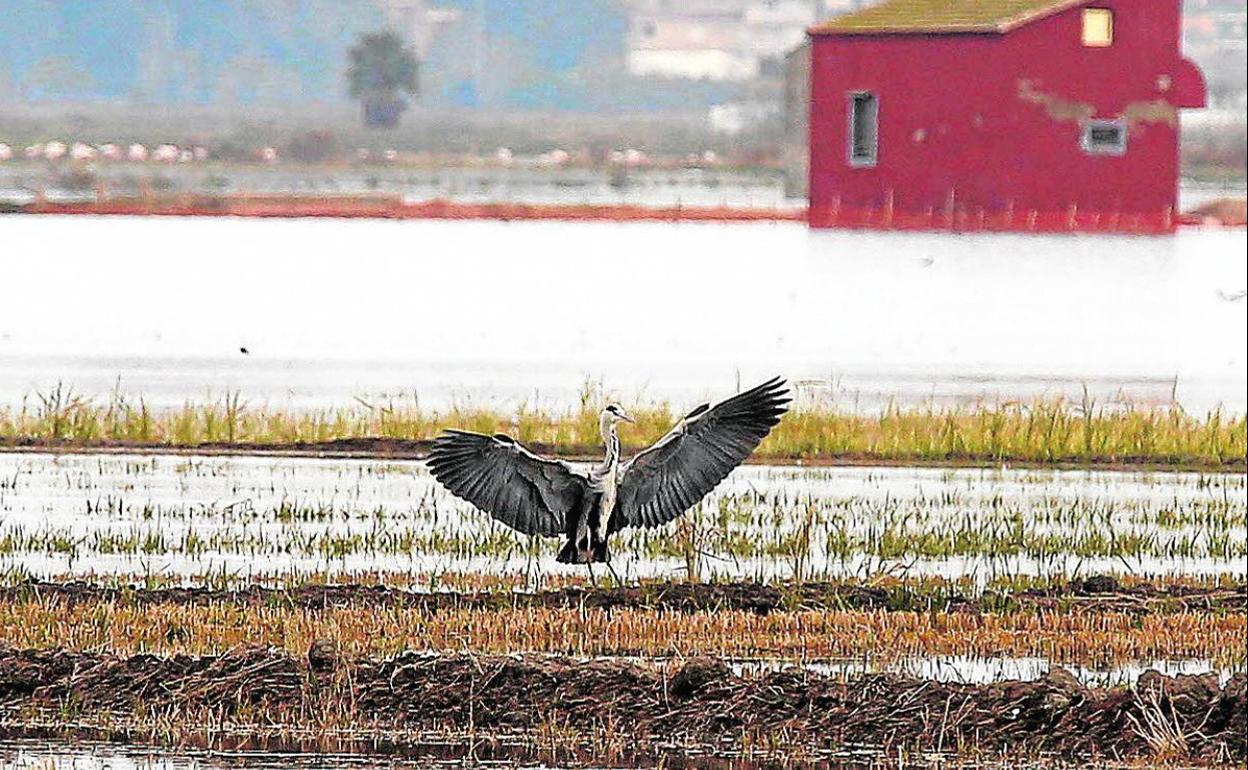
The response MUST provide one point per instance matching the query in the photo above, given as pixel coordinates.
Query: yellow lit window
(1098, 27)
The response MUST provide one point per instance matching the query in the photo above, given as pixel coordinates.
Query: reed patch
(1042, 431)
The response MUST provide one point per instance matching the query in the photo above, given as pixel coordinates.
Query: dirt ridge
(1099, 593)
(698, 702)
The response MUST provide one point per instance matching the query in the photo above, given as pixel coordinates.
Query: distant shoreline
(1221, 212)
(407, 451)
(393, 207)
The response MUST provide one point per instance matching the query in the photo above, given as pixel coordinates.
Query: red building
(999, 114)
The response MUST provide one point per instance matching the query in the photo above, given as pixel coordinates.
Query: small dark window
(864, 128)
(1105, 137)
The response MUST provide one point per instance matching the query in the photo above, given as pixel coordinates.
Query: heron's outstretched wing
(668, 478)
(526, 492)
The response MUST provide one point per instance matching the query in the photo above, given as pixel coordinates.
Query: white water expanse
(498, 312)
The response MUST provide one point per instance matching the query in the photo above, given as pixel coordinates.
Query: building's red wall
(960, 120)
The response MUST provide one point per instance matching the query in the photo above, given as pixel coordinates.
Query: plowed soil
(698, 703)
(1094, 594)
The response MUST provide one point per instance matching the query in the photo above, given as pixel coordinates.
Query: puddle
(965, 669)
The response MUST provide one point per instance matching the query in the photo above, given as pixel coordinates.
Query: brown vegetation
(1228, 212)
(1098, 593)
(379, 207)
(699, 702)
(574, 622)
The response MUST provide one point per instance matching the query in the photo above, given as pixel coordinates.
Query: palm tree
(383, 73)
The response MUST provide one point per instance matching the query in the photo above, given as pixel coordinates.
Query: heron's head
(615, 413)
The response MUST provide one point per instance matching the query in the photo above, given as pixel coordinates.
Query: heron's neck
(612, 441)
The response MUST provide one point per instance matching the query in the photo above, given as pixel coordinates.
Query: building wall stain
(1057, 108)
(1070, 111)
(1155, 111)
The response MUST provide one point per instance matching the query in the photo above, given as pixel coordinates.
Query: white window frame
(1097, 148)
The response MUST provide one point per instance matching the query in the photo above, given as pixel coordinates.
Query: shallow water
(255, 517)
(87, 755)
(57, 755)
(497, 313)
(966, 669)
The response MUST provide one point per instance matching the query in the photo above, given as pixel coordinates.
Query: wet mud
(1093, 594)
(698, 702)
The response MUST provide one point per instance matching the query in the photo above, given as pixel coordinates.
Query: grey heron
(539, 496)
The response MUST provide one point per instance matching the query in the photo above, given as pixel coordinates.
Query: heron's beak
(626, 417)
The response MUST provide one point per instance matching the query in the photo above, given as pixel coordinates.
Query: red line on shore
(389, 208)
(382, 207)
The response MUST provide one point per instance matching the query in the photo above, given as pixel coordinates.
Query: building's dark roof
(941, 16)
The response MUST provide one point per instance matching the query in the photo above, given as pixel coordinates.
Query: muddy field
(696, 703)
(1099, 593)
(499, 675)
(852, 617)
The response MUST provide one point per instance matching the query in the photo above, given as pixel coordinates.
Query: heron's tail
(570, 554)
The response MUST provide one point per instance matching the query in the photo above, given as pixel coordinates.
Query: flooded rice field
(208, 612)
(503, 313)
(867, 673)
(267, 517)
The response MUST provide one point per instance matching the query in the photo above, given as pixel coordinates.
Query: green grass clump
(1043, 431)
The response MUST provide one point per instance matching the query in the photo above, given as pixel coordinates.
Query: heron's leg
(592, 580)
(619, 583)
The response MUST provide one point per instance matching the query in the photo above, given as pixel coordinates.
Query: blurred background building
(541, 54)
(671, 77)
(1214, 33)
